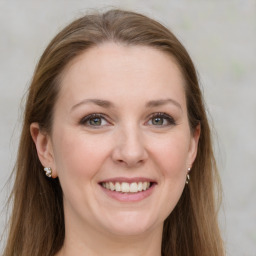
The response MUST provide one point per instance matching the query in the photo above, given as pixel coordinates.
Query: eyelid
(94, 115)
(171, 121)
(169, 118)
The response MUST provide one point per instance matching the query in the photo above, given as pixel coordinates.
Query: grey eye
(95, 121)
(158, 121)
(161, 119)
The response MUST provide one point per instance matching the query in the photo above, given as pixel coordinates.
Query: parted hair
(36, 225)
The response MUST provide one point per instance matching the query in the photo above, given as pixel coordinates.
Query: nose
(129, 147)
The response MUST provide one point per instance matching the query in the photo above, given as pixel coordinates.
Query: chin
(131, 224)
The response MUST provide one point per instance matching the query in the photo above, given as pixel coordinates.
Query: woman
(115, 155)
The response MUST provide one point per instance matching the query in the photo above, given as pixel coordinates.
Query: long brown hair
(37, 222)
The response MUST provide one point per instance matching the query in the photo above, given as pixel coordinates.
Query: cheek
(171, 155)
(170, 159)
(78, 162)
(78, 156)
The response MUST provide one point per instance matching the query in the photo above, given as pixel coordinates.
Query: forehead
(114, 69)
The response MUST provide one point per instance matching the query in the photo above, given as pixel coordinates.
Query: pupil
(95, 121)
(158, 121)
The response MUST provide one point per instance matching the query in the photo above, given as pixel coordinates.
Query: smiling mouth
(125, 187)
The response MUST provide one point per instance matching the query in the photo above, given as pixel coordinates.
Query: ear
(44, 147)
(194, 145)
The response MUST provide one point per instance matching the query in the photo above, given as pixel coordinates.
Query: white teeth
(126, 187)
(118, 186)
(144, 185)
(112, 186)
(134, 187)
(140, 186)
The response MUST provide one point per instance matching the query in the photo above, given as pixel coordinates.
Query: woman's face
(121, 143)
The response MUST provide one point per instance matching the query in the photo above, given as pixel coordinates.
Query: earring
(188, 177)
(48, 171)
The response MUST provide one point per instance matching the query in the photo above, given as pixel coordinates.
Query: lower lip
(129, 197)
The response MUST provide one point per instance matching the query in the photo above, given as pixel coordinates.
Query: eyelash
(86, 119)
(165, 116)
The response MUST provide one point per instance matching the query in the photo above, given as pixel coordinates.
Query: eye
(161, 119)
(94, 120)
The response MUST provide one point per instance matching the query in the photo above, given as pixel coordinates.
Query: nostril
(130, 162)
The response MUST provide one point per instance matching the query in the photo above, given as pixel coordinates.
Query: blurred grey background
(221, 39)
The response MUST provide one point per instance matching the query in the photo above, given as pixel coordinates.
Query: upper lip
(128, 180)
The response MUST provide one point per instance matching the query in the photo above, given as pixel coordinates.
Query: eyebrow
(99, 102)
(108, 104)
(157, 103)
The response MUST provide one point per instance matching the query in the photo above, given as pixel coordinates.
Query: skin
(131, 140)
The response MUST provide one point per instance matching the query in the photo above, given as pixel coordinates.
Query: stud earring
(48, 171)
(188, 177)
